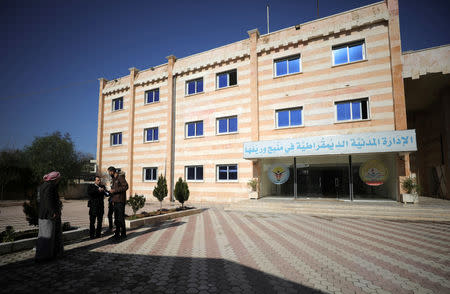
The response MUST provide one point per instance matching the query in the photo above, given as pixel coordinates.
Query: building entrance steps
(428, 209)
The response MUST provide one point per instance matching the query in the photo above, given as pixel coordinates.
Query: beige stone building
(313, 110)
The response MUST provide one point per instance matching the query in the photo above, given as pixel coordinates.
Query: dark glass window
(117, 104)
(352, 110)
(152, 96)
(227, 172)
(286, 66)
(227, 125)
(348, 53)
(289, 117)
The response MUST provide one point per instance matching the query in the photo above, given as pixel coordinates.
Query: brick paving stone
(219, 251)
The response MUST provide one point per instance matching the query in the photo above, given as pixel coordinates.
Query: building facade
(314, 110)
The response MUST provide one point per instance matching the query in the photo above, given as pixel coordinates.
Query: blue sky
(53, 52)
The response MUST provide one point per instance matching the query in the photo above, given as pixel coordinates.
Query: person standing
(49, 244)
(119, 186)
(96, 192)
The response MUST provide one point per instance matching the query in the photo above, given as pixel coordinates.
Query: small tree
(136, 202)
(181, 191)
(31, 210)
(160, 191)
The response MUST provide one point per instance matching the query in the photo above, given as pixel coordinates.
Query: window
(116, 139)
(227, 125)
(152, 96)
(194, 173)
(150, 174)
(151, 135)
(227, 172)
(117, 104)
(287, 66)
(352, 110)
(226, 79)
(194, 129)
(194, 86)
(348, 53)
(289, 117)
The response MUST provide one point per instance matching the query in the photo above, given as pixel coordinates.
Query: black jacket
(49, 203)
(95, 202)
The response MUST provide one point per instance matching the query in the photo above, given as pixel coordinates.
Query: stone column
(132, 93)
(254, 107)
(398, 89)
(170, 126)
(101, 111)
(254, 97)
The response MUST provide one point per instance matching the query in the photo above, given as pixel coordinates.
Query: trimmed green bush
(160, 191)
(181, 191)
(136, 202)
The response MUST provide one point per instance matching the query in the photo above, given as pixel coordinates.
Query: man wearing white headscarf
(49, 244)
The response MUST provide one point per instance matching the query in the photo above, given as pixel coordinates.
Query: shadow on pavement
(84, 270)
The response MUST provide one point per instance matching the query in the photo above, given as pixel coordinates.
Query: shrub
(410, 185)
(66, 226)
(136, 202)
(160, 191)
(253, 184)
(31, 210)
(181, 191)
(8, 234)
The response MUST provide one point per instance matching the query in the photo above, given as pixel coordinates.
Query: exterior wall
(116, 121)
(320, 84)
(255, 98)
(150, 154)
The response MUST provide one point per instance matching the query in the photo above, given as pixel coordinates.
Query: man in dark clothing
(49, 244)
(96, 192)
(119, 186)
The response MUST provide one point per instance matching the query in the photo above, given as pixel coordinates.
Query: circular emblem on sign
(278, 174)
(373, 173)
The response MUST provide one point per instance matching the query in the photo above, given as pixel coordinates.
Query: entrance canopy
(391, 141)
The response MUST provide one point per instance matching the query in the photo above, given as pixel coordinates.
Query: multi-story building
(313, 110)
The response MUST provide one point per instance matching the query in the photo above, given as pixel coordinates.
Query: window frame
(228, 173)
(228, 125)
(228, 79)
(195, 173)
(287, 58)
(146, 96)
(153, 135)
(113, 104)
(112, 140)
(144, 174)
(196, 86)
(186, 135)
(289, 109)
(351, 101)
(348, 45)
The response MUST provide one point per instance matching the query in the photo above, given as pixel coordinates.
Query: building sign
(373, 173)
(278, 174)
(392, 141)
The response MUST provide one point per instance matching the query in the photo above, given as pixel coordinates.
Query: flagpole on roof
(268, 18)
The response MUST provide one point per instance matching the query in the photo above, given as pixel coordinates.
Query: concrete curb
(30, 243)
(133, 224)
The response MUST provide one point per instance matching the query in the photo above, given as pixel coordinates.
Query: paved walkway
(221, 251)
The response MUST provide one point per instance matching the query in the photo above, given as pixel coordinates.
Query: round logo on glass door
(373, 173)
(278, 174)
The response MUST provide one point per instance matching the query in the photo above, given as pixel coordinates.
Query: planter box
(253, 195)
(30, 243)
(136, 223)
(410, 198)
